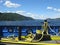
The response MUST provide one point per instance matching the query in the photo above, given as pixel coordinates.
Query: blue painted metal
(6, 33)
(31, 23)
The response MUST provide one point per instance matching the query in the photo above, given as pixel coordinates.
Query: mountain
(13, 17)
(53, 19)
(57, 18)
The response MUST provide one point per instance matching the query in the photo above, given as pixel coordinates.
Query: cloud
(58, 10)
(57, 15)
(28, 13)
(53, 8)
(10, 4)
(50, 8)
(8, 11)
(21, 12)
(35, 16)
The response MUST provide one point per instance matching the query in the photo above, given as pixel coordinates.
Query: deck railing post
(1, 33)
(19, 33)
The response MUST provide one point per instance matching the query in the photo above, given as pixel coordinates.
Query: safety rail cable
(53, 30)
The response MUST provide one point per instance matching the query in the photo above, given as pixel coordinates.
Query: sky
(37, 9)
